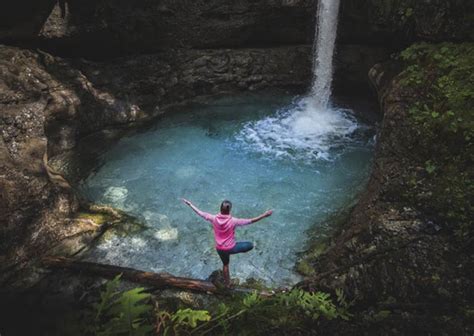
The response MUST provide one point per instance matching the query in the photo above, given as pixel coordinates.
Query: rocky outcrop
(131, 26)
(401, 22)
(404, 270)
(153, 81)
(32, 204)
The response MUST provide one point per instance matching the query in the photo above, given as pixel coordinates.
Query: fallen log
(159, 280)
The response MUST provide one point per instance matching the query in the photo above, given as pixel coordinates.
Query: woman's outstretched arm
(242, 222)
(266, 214)
(203, 214)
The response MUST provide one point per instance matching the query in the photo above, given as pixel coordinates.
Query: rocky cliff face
(405, 269)
(30, 201)
(400, 22)
(368, 31)
(111, 27)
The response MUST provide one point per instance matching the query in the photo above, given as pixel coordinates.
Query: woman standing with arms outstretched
(224, 232)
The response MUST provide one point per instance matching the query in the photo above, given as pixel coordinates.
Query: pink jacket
(224, 228)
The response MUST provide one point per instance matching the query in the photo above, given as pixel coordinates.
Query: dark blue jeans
(240, 247)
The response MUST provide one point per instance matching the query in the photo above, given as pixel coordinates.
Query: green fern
(122, 313)
(183, 319)
(189, 317)
(107, 296)
(251, 300)
(313, 305)
(127, 313)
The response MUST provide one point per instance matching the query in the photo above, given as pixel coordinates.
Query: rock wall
(31, 202)
(144, 25)
(403, 270)
(368, 31)
(401, 22)
(112, 27)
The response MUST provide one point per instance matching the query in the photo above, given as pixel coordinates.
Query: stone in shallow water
(166, 234)
(116, 195)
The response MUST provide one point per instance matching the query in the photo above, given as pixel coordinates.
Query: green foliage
(393, 13)
(128, 313)
(430, 167)
(382, 315)
(183, 320)
(304, 267)
(251, 300)
(312, 305)
(440, 78)
(253, 314)
(107, 297)
(121, 313)
(443, 78)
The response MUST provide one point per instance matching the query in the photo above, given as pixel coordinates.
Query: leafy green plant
(254, 314)
(129, 313)
(439, 78)
(122, 313)
(430, 167)
(183, 320)
(315, 305)
(251, 300)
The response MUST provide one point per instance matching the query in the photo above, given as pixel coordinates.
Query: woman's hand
(185, 201)
(268, 213)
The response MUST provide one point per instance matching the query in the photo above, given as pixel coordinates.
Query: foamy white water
(299, 132)
(310, 129)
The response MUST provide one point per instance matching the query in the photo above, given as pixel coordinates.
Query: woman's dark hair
(226, 206)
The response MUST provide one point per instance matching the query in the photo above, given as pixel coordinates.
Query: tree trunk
(147, 278)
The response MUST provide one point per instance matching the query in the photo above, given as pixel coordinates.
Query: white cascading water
(326, 32)
(310, 129)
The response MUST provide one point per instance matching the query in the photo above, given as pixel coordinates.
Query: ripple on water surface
(259, 152)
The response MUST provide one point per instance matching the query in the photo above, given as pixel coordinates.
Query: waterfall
(309, 129)
(323, 50)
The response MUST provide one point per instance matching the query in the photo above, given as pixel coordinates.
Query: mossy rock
(439, 82)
